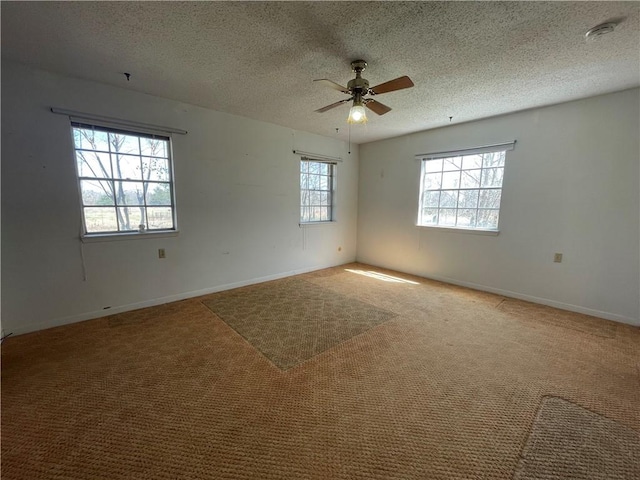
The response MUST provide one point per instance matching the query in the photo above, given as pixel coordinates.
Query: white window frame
(451, 158)
(330, 191)
(139, 132)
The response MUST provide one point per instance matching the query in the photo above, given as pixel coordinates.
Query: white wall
(570, 186)
(237, 192)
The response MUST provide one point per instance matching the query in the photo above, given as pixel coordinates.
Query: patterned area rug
(570, 443)
(292, 320)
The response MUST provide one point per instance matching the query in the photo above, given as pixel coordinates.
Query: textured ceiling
(468, 60)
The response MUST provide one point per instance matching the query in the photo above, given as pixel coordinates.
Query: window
(463, 189)
(317, 187)
(125, 180)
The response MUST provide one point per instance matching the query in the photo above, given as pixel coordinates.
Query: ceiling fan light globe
(357, 114)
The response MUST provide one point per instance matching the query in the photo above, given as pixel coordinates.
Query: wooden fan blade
(333, 105)
(377, 107)
(392, 85)
(334, 85)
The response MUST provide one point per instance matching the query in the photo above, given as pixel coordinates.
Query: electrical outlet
(557, 258)
(161, 253)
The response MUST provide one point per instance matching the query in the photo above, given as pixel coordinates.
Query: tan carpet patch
(570, 443)
(558, 318)
(292, 320)
(447, 390)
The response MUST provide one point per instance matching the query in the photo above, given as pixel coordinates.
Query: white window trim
(499, 147)
(317, 224)
(113, 122)
(115, 237)
(317, 157)
(473, 231)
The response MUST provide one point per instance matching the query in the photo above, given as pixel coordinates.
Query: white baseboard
(57, 322)
(529, 298)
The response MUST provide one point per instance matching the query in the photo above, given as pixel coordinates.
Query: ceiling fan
(358, 88)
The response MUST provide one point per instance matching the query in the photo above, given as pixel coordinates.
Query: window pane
(432, 181)
(451, 163)
(466, 218)
(433, 165)
(451, 179)
(492, 177)
(468, 199)
(471, 161)
(470, 179)
(113, 185)
(126, 167)
(130, 218)
(121, 143)
(158, 194)
(430, 199)
(495, 159)
(100, 219)
(155, 169)
(304, 214)
(490, 198)
(449, 198)
(429, 216)
(153, 147)
(466, 195)
(159, 218)
(90, 139)
(93, 164)
(488, 219)
(129, 193)
(316, 198)
(314, 182)
(95, 192)
(447, 216)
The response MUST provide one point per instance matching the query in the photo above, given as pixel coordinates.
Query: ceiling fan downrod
(359, 86)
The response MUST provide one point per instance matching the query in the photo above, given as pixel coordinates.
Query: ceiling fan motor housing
(358, 84)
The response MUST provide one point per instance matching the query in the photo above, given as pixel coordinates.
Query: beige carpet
(571, 443)
(542, 315)
(292, 320)
(447, 389)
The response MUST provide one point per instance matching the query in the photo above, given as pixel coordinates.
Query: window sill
(315, 224)
(473, 231)
(114, 237)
